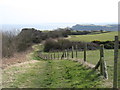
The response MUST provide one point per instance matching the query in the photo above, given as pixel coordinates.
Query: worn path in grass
(51, 74)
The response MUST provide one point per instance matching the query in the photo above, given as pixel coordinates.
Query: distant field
(88, 38)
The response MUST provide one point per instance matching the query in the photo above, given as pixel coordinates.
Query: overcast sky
(58, 11)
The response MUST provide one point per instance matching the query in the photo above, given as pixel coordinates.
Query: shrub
(8, 45)
(50, 45)
(62, 44)
(107, 44)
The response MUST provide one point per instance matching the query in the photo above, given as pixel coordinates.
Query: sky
(58, 11)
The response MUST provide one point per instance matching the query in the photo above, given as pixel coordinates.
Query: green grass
(93, 57)
(58, 73)
(52, 74)
(88, 38)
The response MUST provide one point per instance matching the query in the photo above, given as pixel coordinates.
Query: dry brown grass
(17, 58)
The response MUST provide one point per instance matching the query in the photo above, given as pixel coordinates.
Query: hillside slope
(88, 38)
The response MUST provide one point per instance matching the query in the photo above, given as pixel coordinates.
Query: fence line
(101, 63)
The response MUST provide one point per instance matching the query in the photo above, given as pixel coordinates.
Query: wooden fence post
(102, 63)
(51, 56)
(85, 49)
(67, 54)
(101, 59)
(72, 52)
(54, 54)
(119, 64)
(105, 70)
(58, 55)
(115, 80)
(47, 56)
(76, 51)
(63, 54)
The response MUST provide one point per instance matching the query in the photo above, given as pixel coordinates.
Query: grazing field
(93, 57)
(52, 74)
(88, 38)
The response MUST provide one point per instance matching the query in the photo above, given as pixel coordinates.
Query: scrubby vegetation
(28, 36)
(107, 44)
(57, 73)
(8, 44)
(62, 44)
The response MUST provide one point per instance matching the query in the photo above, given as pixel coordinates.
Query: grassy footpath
(52, 74)
(88, 38)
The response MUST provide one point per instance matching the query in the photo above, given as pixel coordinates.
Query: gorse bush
(107, 44)
(28, 36)
(8, 45)
(62, 44)
(59, 44)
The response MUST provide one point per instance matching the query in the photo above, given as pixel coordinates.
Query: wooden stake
(76, 50)
(67, 54)
(72, 52)
(102, 59)
(115, 62)
(51, 56)
(85, 49)
(58, 55)
(54, 54)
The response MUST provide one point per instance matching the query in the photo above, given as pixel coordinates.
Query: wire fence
(74, 55)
